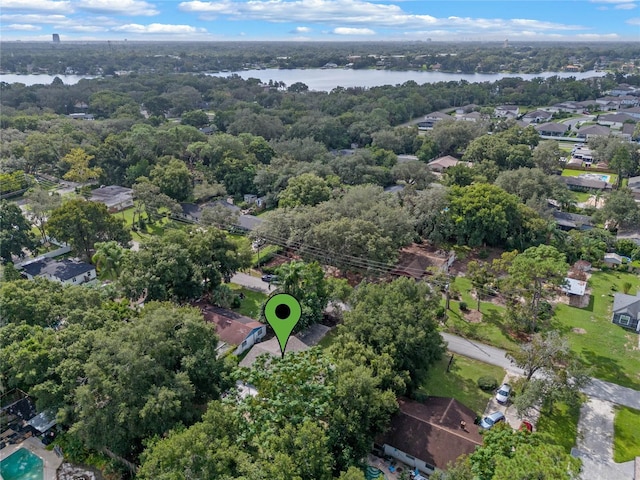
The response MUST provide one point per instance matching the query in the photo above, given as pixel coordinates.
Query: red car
(526, 426)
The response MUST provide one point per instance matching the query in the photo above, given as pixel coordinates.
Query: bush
(441, 312)
(463, 306)
(483, 254)
(487, 383)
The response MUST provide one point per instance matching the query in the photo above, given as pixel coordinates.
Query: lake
(328, 79)
(41, 79)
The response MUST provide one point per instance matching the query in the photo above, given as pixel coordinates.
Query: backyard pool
(596, 176)
(22, 465)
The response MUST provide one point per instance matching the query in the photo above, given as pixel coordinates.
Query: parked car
(490, 420)
(269, 278)
(526, 425)
(502, 396)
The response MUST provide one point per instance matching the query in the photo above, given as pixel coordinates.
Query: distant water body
(327, 79)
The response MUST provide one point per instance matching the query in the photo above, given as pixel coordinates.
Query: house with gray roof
(551, 129)
(68, 271)
(626, 311)
(537, 116)
(572, 221)
(593, 131)
(115, 197)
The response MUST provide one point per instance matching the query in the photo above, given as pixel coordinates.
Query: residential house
(627, 132)
(633, 111)
(427, 436)
(507, 111)
(193, 213)
(272, 348)
(537, 116)
(585, 184)
(472, 107)
(632, 235)
(552, 129)
(626, 311)
(568, 107)
(572, 221)
(442, 163)
(613, 259)
(608, 103)
(68, 271)
(190, 212)
(615, 120)
(576, 290)
(115, 197)
(622, 89)
(252, 199)
(592, 131)
(471, 117)
(429, 120)
(236, 332)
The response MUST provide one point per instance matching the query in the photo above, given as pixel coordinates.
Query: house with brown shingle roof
(429, 435)
(233, 329)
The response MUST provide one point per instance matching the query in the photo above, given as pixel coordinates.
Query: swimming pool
(596, 176)
(22, 465)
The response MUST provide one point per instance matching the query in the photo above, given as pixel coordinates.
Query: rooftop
(431, 431)
(65, 269)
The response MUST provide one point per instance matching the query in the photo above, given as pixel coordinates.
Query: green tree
(481, 276)
(195, 118)
(15, 232)
(620, 210)
(305, 189)
(413, 173)
(41, 203)
(144, 377)
(533, 276)
(546, 157)
(219, 216)
(108, 259)
(514, 451)
(306, 282)
(173, 178)
(79, 170)
(82, 224)
(148, 199)
(396, 319)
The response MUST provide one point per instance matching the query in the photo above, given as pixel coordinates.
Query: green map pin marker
(282, 311)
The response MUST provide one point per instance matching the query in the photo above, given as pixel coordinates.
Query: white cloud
(156, 28)
(22, 27)
(118, 7)
(33, 18)
(86, 28)
(352, 31)
(597, 36)
(61, 6)
(625, 6)
(634, 21)
(301, 30)
(357, 13)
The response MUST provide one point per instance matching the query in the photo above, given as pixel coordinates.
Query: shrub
(487, 383)
(441, 312)
(626, 287)
(463, 306)
(483, 254)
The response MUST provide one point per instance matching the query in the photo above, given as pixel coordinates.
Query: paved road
(495, 356)
(595, 443)
(252, 283)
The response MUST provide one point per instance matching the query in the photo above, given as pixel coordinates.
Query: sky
(320, 20)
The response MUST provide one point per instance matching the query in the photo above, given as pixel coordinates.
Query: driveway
(250, 282)
(594, 444)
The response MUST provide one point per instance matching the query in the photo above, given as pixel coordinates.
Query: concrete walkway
(594, 444)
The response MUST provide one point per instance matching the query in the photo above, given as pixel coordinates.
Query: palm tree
(108, 259)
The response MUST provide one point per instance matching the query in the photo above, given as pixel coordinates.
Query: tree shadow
(607, 369)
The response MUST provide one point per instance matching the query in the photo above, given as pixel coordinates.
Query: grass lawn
(491, 330)
(329, 338)
(461, 381)
(151, 229)
(252, 303)
(582, 197)
(626, 436)
(561, 426)
(607, 349)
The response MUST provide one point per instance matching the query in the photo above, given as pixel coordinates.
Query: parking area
(509, 411)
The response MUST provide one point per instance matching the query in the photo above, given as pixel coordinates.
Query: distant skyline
(320, 20)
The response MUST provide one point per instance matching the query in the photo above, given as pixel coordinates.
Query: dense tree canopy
(82, 224)
(15, 232)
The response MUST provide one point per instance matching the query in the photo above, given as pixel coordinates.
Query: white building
(67, 271)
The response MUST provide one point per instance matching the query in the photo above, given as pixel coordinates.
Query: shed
(576, 290)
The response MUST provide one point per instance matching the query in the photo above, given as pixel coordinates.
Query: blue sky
(328, 20)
